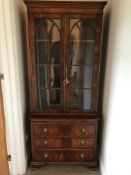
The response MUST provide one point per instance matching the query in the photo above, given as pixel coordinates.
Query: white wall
(13, 53)
(116, 146)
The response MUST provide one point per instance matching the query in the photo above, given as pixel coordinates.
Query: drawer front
(64, 156)
(64, 129)
(45, 143)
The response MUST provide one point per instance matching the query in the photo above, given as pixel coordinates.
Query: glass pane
(86, 99)
(48, 76)
(55, 52)
(54, 96)
(49, 98)
(82, 28)
(82, 40)
(80, 76)
(79, 99)
(54, 76)
(81, 58)
(47, 41)
(44, 100)
(43, 76)
(48, 46)
(74, 98)
(42, 53)
(88, 29)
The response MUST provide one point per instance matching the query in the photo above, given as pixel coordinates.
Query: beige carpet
(62, 170)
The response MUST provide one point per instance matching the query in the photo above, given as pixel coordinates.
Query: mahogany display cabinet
(64, 66)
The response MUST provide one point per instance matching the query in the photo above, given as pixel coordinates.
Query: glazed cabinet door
(65, 62)
(82, 62)
(46, 62)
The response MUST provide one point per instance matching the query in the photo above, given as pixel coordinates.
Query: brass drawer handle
(45, 156)
(45, 143)
(82, 142)
(83, 130)
(45, 130)
(82, 156)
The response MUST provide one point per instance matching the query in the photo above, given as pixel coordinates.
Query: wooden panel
(62, 7)
(45, 143)
(4, 169)
(64, 129)
(64, 155)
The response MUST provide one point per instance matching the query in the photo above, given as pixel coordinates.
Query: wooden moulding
(4, 169)
(90, 7)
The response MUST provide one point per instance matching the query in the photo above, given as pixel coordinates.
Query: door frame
(4, 168)
(15, 136)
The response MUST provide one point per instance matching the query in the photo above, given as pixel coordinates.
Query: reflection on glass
(80, 62)
(47, 41)
(77, 57)
(80, 99)
(54, 96)
(42, 52)
(80, 76)
(82, 38)
(43, 76)
(86, 99)
(55, 52)
(49, 76)
(55, 76)
(46, 27)
(48, 61)
(44, 100)
(49, 98)
(83, 28)
(74, 98)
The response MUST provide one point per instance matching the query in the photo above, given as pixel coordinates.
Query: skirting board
(102, 168)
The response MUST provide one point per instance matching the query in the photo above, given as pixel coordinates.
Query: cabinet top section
(86, 7)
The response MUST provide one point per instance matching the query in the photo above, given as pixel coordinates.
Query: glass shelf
(90, 41)
(81, 65)
(46, 40)
(55, 65)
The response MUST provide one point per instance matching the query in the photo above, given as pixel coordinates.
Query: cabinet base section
(91, 165)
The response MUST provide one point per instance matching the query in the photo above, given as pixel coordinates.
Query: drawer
(45, 143)
(64, 156)
(64, 129)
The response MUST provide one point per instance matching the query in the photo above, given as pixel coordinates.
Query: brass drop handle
(83, 130)
(45, 130)
(82, 142)
(66, 82)
(45, 156)
(45, 142)
(82, 156)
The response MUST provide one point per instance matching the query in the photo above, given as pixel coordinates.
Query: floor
(62, 170)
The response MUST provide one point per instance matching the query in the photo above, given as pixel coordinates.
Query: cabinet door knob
(46, 156)
(66, 82)
(83, 130)
(45, 130)
(45, 142)
(82, 142)
(82, 156)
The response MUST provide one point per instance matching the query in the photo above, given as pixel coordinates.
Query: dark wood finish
(4, 169)
(92, 165)
(59, 155)
(64, 135)
(53, 136)
(64, 129)
(66, 142)
(76, 7)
